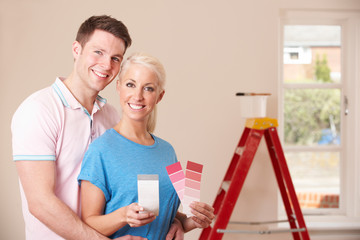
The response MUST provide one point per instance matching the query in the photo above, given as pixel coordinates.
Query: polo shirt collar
(69, 100)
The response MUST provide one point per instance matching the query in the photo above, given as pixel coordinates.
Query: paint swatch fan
(187, 185)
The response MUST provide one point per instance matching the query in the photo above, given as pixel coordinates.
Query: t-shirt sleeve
(34, 132)
(93, 170)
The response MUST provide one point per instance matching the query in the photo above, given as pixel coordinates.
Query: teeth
(136, 107)
(100, 74)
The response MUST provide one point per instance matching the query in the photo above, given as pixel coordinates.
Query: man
(54, 126)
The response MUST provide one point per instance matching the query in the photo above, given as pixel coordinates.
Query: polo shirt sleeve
(94, 171)
(34, 132)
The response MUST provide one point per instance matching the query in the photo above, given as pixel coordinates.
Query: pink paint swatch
(177, 178)
(186, 186)
(192, 185)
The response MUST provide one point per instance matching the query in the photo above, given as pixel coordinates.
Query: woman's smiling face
(139, 92)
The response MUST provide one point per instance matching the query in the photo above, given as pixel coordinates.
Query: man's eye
(115, 59)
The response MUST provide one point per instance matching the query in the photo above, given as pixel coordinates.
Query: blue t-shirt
(113, 162)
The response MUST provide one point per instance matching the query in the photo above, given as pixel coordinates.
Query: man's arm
(176, 231)
(38, 181)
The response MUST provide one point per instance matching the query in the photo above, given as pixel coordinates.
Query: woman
(109, 172)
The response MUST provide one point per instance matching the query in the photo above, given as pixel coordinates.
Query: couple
(53, 128)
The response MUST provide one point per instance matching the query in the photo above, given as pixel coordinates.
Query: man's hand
(203, 214)
(176, 231)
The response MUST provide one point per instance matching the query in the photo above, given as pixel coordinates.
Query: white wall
(211, 49)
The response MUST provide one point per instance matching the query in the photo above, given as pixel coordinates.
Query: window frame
(349, 209)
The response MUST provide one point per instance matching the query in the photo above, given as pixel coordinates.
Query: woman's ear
(160, 96)
(118, 86)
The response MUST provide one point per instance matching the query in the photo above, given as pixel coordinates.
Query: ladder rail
(230, 171)
(228, 176)
(236, 156)
(280, 180)
(287, 178)
(237, 181)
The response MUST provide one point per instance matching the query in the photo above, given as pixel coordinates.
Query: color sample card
(177, 178)
(187, 186)
(192, 185)
(148, 192)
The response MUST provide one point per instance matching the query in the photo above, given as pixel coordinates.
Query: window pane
(316, 178)
(312, 117)
(312, 112)
(312, 54)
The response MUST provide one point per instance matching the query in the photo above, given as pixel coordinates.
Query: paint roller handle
(252, 94)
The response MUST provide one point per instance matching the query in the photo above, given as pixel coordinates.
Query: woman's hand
(136, 216)
(203, 214)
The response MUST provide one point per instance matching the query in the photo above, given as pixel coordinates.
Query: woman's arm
(92, 212)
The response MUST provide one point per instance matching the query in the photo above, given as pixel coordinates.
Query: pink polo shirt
(51, 125)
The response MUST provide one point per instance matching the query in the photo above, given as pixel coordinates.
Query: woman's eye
(98, 52)
(149, 89)
(130, 85)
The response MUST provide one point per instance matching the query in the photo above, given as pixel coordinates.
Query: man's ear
(160, 96)
(76, 49)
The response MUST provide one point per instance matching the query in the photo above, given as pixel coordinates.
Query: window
(318, 109)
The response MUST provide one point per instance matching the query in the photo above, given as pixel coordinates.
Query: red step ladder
(238, 169)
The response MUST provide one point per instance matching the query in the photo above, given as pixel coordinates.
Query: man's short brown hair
(105, 23)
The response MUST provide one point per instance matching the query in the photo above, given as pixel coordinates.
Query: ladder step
(258, 223)
(239, 150)
(261, 232)
(225, 185)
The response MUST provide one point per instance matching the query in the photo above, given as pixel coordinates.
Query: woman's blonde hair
(154, 65)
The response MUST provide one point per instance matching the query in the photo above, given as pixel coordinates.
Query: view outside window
(312, 112)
